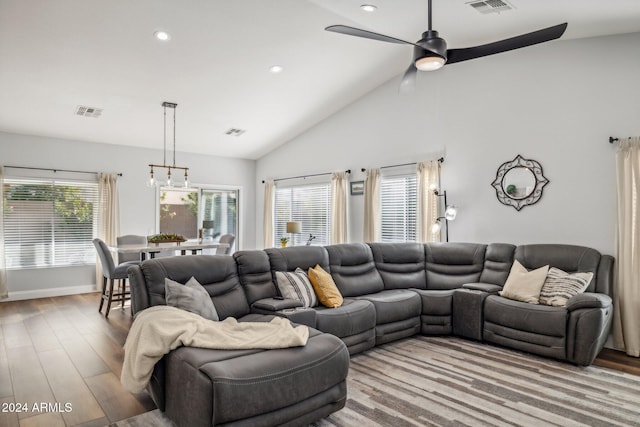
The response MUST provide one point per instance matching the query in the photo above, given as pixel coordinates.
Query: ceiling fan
(431, 53)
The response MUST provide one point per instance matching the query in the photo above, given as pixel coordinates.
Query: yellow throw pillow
(325, 287)
(523, 285)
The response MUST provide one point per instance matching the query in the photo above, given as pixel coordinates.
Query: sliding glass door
(187, 211)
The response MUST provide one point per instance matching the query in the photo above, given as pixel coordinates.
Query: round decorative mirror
(519, 182)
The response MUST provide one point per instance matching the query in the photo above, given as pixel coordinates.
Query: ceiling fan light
(429, 63)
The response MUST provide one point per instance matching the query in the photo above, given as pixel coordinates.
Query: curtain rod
(613, 139)
(440, 160)
(54, 170)
(306, 176)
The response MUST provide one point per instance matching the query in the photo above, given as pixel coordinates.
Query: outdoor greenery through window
(398, 208)
(186, 211)
(49, 223)
(308, 204)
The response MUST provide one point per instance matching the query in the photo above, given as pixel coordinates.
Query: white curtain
(428, 202)
(108, 213)
(626, 320)
(372, 206)
(4, 292)
(267, 223)
(339, 207)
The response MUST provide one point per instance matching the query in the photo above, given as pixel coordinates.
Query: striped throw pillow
(560, 286)
(296, 285)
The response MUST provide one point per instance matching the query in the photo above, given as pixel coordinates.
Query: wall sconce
(450, 213)
(293, 227)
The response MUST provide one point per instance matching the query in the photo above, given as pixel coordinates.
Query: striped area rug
(433, 381)
(427, 381)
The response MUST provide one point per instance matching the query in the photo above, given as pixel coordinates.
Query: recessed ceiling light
(162, 36)
(368, 7)
(275, 69)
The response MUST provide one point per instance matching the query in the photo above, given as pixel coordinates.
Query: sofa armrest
(485, 287)
(273, 304)
(588, 300)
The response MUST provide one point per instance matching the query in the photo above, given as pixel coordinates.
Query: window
(49, 223)
(185, 211)
(398, 208)
(308, 204)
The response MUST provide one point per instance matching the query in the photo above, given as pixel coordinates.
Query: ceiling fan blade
(524, 40)
(351, 31)
(408, 82)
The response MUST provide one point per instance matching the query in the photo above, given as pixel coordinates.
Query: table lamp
(292, 228)
(207, 225)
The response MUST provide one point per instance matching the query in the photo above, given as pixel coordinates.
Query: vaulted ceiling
(58, 55)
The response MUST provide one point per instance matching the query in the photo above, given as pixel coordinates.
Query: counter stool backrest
(130, 239)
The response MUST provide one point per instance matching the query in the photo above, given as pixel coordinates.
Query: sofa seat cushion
(394, 305)
(226, 386)
(537, 319)
(437, 311)
(436, 303)
(351, 318)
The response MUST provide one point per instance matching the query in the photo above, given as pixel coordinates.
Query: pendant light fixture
(170, 181)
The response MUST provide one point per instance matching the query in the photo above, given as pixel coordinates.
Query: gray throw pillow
(190, 297)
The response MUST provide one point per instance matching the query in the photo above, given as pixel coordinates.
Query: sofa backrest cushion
(353, 269)
(497, 263)
(568, 258)
(304, 257)
(217, 274)
(401, 265)
(254, 272)
(451, 265)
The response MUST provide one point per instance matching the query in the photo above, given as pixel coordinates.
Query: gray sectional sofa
(391, 291)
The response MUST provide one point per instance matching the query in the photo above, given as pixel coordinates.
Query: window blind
(49, 223)
(308, 204)
(398, 208)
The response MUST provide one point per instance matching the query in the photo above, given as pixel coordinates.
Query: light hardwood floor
(60, 351)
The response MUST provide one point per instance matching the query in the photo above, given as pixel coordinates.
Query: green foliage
(69, 204)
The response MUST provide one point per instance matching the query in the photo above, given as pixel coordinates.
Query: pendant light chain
(164, 136)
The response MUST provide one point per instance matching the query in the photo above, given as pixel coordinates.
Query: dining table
(150, 250)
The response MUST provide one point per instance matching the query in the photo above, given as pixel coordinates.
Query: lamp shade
(207, 224)
(293, 227)
(451, 212)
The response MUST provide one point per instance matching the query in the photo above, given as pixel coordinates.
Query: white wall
(556, 103)
(137, 202)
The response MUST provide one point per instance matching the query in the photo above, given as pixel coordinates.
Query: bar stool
(112, 272)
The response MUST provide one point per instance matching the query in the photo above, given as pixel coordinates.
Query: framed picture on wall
(357, 188)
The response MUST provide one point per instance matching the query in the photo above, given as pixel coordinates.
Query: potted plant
(284, 241)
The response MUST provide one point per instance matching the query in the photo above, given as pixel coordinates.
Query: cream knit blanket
(159, 329)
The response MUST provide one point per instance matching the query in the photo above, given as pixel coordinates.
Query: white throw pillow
(523, 285)
(296, 285)
(560, 286)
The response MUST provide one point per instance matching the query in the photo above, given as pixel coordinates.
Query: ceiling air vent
(490, 6)
(88, 111)
(235, 132)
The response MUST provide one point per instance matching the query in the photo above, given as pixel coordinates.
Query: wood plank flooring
(60, 364)
(63, 359)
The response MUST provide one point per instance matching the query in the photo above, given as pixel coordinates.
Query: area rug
(431, 381)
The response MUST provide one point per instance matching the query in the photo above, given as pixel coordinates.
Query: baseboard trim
(46, 293)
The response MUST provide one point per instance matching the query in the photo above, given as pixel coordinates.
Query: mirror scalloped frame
(531, 197)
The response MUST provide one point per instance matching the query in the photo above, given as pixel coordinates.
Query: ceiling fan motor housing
(430, 44)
